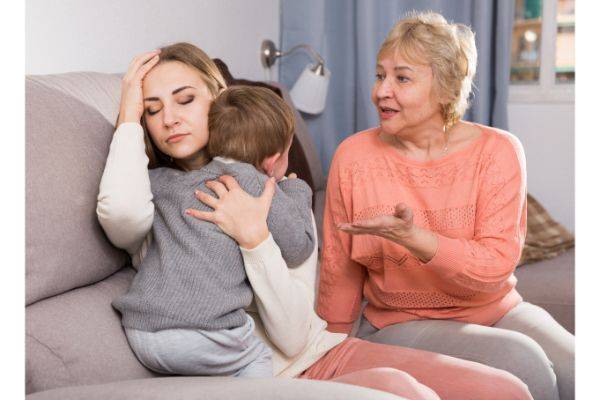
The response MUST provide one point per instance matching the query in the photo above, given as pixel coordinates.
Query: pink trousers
(414, 374)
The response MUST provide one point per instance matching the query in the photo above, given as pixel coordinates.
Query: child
(184, 312)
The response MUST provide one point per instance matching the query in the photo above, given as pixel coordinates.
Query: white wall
(547, 131)
(103, 35)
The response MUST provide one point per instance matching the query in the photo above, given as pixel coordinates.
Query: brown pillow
(545, 238)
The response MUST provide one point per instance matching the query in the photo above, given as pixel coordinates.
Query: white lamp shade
(310, 91)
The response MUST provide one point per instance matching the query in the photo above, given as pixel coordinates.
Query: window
(565, 42)
(527, 35)
(543, 51)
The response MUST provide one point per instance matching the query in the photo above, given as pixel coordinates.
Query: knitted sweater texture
(472, 199)
(193, 273)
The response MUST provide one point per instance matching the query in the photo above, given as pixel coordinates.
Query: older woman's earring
(171, 157)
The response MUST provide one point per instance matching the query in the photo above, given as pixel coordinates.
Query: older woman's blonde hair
(427, 38)
(191, 56)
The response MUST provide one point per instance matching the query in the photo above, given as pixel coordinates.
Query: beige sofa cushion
(76, 338)
(67, 138)
(550, 284)
(212, 388)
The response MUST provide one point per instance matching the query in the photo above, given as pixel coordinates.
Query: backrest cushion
(69, 126)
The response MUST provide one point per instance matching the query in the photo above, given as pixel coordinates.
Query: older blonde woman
(426, 217)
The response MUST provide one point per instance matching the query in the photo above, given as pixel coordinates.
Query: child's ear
(268, 164)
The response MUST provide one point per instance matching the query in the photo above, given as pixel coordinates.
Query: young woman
(170, 91)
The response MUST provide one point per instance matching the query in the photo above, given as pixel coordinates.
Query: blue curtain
(347, 33)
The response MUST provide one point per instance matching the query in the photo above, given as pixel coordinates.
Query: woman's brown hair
(192, 56)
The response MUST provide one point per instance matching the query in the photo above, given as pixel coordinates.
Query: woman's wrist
(128, 116)
(253, 238)
(422, 243)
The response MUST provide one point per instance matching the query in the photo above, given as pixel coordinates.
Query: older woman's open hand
(238, 214)
(394, 227)
(398, 228)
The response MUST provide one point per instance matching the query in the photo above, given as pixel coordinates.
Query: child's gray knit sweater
(193, 274)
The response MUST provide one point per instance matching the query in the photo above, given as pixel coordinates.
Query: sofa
(550, 284)
(75, 345)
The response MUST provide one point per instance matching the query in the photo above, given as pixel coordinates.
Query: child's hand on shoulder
(292, 175)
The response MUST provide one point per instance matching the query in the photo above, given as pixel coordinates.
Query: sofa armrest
(184, 388)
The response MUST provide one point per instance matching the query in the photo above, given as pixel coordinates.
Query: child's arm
(290, 220)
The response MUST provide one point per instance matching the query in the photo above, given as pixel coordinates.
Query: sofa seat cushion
(184, 388)
(76, 338)
(550, 284)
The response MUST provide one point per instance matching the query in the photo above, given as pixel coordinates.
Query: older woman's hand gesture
(400, 229)
(393, 227)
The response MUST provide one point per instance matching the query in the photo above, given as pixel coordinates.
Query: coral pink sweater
(474, 200)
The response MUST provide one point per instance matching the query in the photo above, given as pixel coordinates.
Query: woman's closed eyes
(153, 111)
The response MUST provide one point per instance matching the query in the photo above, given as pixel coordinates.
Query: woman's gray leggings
(526, 342)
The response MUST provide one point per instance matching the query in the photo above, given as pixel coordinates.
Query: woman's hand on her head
(238, 214)
(395, 227)
(132, 99)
